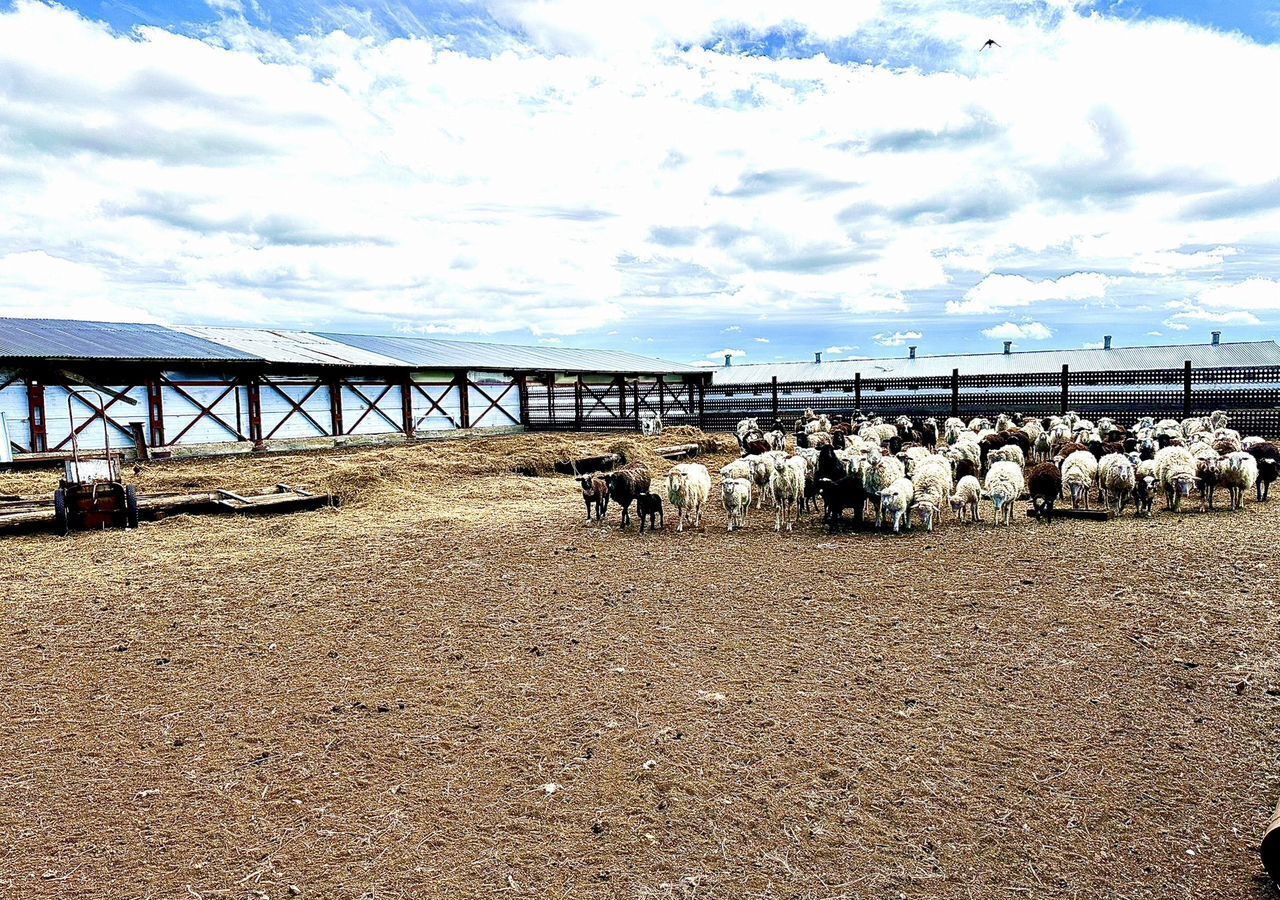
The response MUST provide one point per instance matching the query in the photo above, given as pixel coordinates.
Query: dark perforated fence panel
(1251, 395)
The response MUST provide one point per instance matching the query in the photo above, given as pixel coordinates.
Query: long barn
(191, 386)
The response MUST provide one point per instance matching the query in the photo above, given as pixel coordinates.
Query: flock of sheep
(914, 467)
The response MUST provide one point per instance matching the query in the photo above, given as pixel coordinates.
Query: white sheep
(931, 486)
(1239, 473)
(787, 487)
(965, 448)
(895, 500)
(650, 423)
(1079, 475)
(1117, 477)
(1005, 484)
(1176, 471)
(966, 497)
(688, 487)
(913, 455)
(777, 440)
(878, 474)
(739, 468)
(1008, 453)
(735, 494)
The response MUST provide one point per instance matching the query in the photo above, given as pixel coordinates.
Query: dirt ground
(452, 687)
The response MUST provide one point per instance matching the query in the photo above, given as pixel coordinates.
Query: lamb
(649, 506)
(627, 483)
(735, 494)
(895, 500)
(1268, 457)
(1144, 493)
(1176, 472)
(747, 428)
(595, 494)
(1045, 487)
(968, 492)
(688, 487)
(1117, 478)
(879, 473)
(761, 471)
(1043, 446)
(777, 439)
(1208, 468)
(931, 486)
(786, 484)
(650, 423)
(1079, 474)
(1239, 473)
(1005, 484)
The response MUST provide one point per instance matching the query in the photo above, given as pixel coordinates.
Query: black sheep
(967, 467)
(595, 494)
(840, 494)
(1045, 487)
(649, 506)
(1144, 496)
(1268, 456)
(626, 484)
(830, 465)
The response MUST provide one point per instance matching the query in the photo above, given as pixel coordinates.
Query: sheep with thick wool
(1008, 453)
(688, 487)
(735, 494)
(931, 486)
(965, 499)
(878, 474)
(1239, 473)
(1005, 485)
(1117, 477)
(895, 501)
(1176, 472)
(1079, 475)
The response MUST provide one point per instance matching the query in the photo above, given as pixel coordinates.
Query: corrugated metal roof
(429, 353)
(71, 339)
(1202, 356)
(290, 346)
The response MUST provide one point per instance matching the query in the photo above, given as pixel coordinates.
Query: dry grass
(368, 702)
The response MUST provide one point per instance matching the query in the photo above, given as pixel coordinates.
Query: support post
(621, 382)
(1066, 378)
(857, 391)
(522, 392)
(662, 387)
(1186, 389)
(335, 406)
(955, 392)
(552, 413)
(693, 401)
(253, 390)
(635, 398)
(155, 411)
(140, 447)
(702, 405)
(774, 385)
(35, 414)
(406, 404)
(464, 398)
(577, 403)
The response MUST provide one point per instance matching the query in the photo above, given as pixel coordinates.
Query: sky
(680, 178)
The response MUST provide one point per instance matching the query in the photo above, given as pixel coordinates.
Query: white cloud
(1176, 326)
(1257, 294)
(1012, 331)
(1156, 333)
(721, 354)
(837, 350)
(761, 340)
(1000, 292)
(896, 339)
(328, 179)
(1092, 345)
(731, 329)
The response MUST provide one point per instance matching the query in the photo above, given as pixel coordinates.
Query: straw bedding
(452, 687)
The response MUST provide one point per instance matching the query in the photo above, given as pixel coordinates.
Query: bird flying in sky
(991, 42)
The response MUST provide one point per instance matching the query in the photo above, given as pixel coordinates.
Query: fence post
(775, 398)
(621, 381)
(1186, 389)
(857, 391)
(552, 413)
(254, 397)
(1065, 378)
(155, 411)
(693, 401)
(406, 404)
(955, 392)
(635, 401)
(702, 405)
(335, 407)
(522, 390)
(662, 386)
(577, 404)
(464, 398)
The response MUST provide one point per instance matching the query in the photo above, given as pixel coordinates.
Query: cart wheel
(130, 507)
(60, 524)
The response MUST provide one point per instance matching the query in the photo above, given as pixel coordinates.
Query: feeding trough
(90, 494)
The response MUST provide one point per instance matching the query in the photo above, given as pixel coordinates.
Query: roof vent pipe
(1217, 337)
(728, 359)
(1106, 342)
(817, 356)
(1008, 347)
(912, 352)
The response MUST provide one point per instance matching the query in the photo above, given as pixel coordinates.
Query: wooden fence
(1250, 394)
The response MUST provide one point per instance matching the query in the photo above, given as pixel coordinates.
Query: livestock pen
(452, 686)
